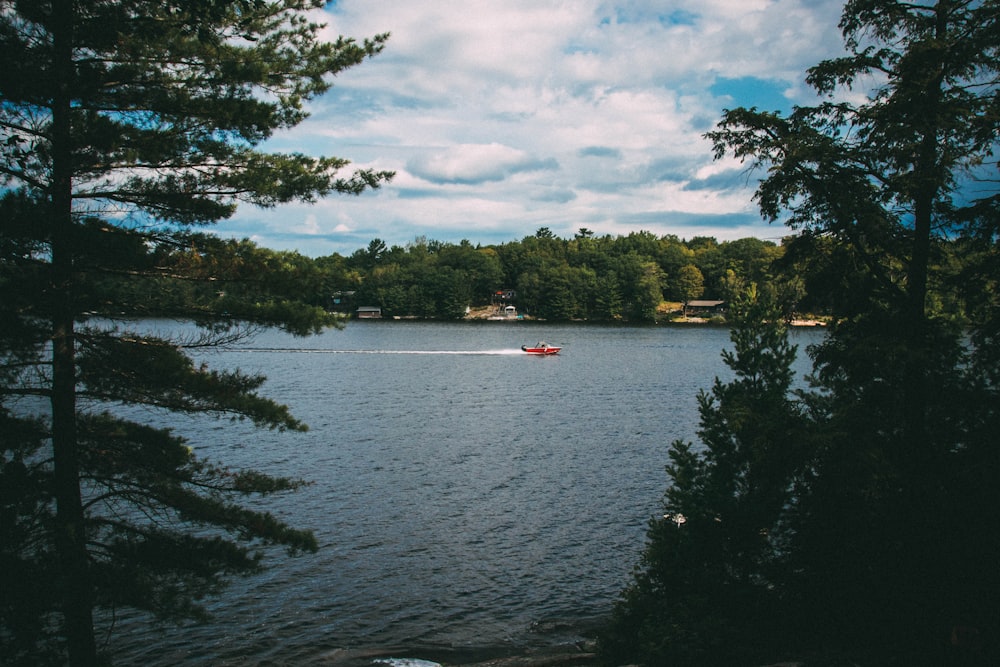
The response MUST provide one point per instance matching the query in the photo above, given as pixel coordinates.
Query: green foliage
(607, 278)
(689, 284)
(585, 278)
(865, 530)
(160, 566)
(122, 126)
(28, 566)
(889, 520)
(131, 368)
(705, 590)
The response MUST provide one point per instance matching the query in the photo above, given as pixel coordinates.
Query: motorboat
(541, 348)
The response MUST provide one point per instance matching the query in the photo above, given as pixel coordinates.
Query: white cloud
(475, 163)
(309, 226)
(500, 118)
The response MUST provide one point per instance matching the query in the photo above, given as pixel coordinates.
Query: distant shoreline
(490, 314)
(797, 323)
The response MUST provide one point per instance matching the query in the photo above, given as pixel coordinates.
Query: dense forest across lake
(640, 277)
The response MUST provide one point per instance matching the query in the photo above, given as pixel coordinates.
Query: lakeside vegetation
(639, 277)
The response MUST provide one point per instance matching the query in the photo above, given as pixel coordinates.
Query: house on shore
(704, 308)
(369, 312)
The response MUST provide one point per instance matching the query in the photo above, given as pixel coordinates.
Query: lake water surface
(468, 499)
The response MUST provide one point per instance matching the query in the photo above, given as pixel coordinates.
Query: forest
(583, 278)
(638, 278)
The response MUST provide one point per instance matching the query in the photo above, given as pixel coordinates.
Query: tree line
(586, 277)
(639, 277)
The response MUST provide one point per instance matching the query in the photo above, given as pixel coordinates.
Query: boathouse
(703, 307)
(369, 312)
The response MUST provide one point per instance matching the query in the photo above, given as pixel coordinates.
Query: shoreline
(491, 314)
(579, 654)
(564, 642)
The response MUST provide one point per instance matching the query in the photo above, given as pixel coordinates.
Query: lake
(470, 500)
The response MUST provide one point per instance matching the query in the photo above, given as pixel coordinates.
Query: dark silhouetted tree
(877, 538)
(122, 126)
(890, 512)
(706, 591)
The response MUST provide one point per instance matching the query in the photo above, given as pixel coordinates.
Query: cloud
(475, 163)
(500, 118)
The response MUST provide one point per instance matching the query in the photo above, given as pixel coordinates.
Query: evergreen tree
(878, 540)
(890, 545)
(707, 587)
(882, 176)
(123, 125)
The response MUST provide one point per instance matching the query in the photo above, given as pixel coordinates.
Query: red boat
(541, 348)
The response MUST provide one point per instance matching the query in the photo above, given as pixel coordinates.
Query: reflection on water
(466, 496)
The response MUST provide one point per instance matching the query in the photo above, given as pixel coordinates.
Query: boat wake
(512, 351)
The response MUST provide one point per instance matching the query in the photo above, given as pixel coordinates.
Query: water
(469, 499)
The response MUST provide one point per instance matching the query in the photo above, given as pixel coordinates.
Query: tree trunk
(71, 538)
(927, 184)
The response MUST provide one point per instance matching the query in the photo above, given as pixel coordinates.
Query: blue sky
(502, 117)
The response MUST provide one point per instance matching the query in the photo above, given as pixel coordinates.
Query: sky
(502, 117)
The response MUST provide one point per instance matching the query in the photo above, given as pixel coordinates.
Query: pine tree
(706, 590)
(123, 127)
(891, 546)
